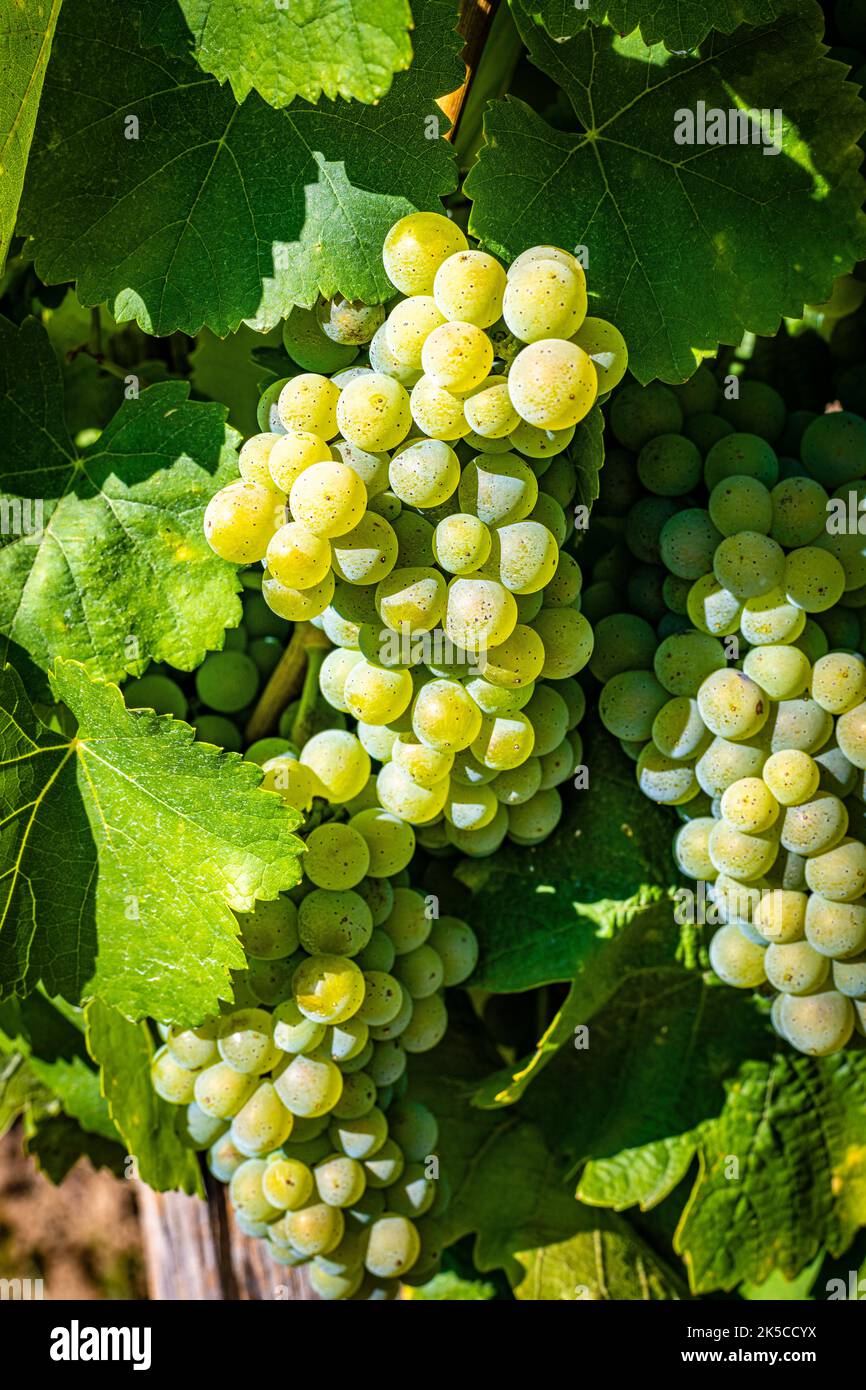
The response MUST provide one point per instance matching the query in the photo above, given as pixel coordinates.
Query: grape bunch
(414, 504)
(732, 673)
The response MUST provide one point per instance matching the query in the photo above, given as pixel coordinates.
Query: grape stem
(286, 680)
(302, 723)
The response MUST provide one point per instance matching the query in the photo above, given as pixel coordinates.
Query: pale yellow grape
(528, 556)
(172, 1081)
(287, 1183)
(425, 765)
(239, 521)
(328, 498)
(390, 842)
(851, 735)
(246, 1041)
(488, 409)
(504, 741)
(476, 844)
(373, 412)
(262, 1124)
(691, 849)
(801, 724)
(780, 915)
(770, 618)
(393, 1246)
(470, 808)
(743, 857)
(375, 694)
(468, 771)
(544, 253)
(293, 1031)
(814, 579)
(544, 299)
(712, 608)
(340, 763)
(568, 641)
(309, 402)
(298, 605)
(836, 929)
(538, 443)
(438, 413)
(383, 999)
(327, 989)
(457, 356)
(667, 781)
(469, 287)
(411, 600)
(749, 564)
(196, 1048)
(815, 826)
(461, 543)
(552, 384)
(795, 967)
(817, 1024)
(732, 705)
(340, 1181)
(416, 246)
(498, 490)
(479, 613)
(535, 819)
(333, 674)
(220, 1091)
(840, 874)
(383, 359)
(371, 467)
(792, 776)
(736, 960)
(445, 716)
(296, 785)
(678, 729)
(735, 902)
(784, 672)
(606, 346)
(298, 558)
(253, 460)
(496, 699)
(315, 1229)
(292, 453)
(486, 446)
(247, 1193)
(404, 797)
(516, 662)
(839, 681)
(749, 805)
(367, 553)
(407, 328)
(426, 474)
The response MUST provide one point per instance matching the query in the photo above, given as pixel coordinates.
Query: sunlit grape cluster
(414, 503)
(736, 678)
(299, 1091)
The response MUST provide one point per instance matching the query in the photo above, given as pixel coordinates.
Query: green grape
(535, 819)
(663, 779)
(498, 490)
(792, 776)
(741, 504)
(403, 797)
(851, 735)
(629, 703)
(328, 989)
(416, 246)
(396, 1026)
(849, 978)
(292, 453)
(445, 716)
(426, 766)
(420, 971)
(214, 729)
(732, 705)
(267, 415)
(359, 1094)
(307, 343)
(309, 402)
(411, 600)
(337, 923)
(262, 1124)
(814, 826)
(457, 356)
(203, 1130)
(780, 915)
(478, 844)
(488, 411)
(246, 1042)
(678, 730)
(835, 929)
(740, 856)
(676, 593)
(175, 1082)
(622, 642)
(498, 699)
(264, 749)
(544, 299)
(687, 544)
(461, 543)
(817, 1024)
(391, 841)
(516, 662)
(371, 468)
(540, 444)
(799, 511)
(782, 671)
(685, 660)
(415, 1130)
(375, 694)
(296, 785)
(329, 499)
(561, 763)
(315, 1229)
(427, 1026)
(220, 1090)
(741, 455)
(527, 556)
(333, 674)
(560, 480)
(382, 998)
(350, 322)
(298, 605)
(413, 1194)
(269, 981)
(367, 553)
(749, 564)
(639, 413)
(297, 558)
(736, 960)
(644, 525)
(713, 608)
(227, 681)
(159, 693)
(669, 465)
(309, 1086)
(359, 1138)
(387, 1064)
(756, 407)
(247, 1192)
(705, 430)
(801, 724)
(339, 762)
(469, 286)
(379, 952)
(749, 805)
(814, 579)
(606, 347)
(568, 640)
(503, 742)
(385, 1166)
(691, 849)
(837, 773)
(548, 713)
(425, 474)
(833, 448)
(563, 591)
(239, 521)
(293, 1031)
(771, 619)
(192, 1048)
(393, 1246)
(456, 945)
(287, 1183)
(552, 384)
(839, 874)
(340, 1181)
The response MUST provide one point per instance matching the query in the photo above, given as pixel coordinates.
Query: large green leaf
(56, 1143)
(26, 33)
(677, 25)
(224, 370)
(688, 245)
(217, 212)
(160, 836)
(309, 49)
(149, 1126)
(109, 564)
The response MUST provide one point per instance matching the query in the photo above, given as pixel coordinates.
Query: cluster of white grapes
(414, 505)
(744, 706)
(299, 1091)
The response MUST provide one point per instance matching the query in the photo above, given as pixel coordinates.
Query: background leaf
(678, 26)
(26, 34)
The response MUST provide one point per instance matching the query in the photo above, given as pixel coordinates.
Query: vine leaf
(676, 25)
(109, 563)
(345, 48)
(161, 837)
(26, 35)
(730, 239)
(149, 1125)
(152, 189)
